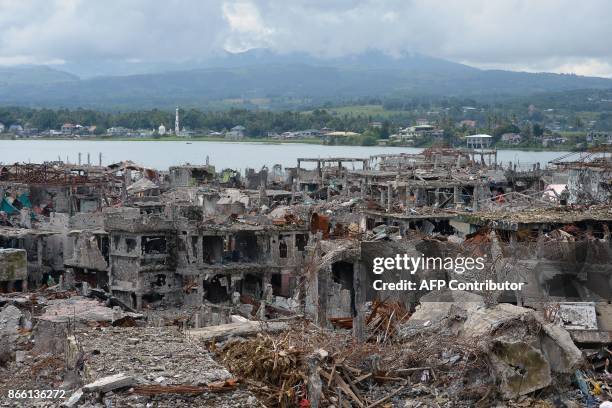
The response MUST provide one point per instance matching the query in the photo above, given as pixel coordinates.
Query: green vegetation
(552, 121)
(257, 123)
(372, 111)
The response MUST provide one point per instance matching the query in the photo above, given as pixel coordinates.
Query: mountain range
(268, 80)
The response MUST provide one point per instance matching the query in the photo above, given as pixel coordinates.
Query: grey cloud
(520, 34)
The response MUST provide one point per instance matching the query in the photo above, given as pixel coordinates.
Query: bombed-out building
(169, 252)
(333, 257)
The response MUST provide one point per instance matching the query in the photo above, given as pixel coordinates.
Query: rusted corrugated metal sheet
(319, 223)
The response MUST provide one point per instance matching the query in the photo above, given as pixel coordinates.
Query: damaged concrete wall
(87, 254)
(254, 179)
(589, 185)
(13, 265)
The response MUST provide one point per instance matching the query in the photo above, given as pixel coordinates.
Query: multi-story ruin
(219, 254)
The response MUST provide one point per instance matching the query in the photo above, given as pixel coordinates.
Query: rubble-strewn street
(125, 286)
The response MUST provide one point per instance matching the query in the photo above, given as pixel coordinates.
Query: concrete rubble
(110, 383)
(129, 286)
(523, 350)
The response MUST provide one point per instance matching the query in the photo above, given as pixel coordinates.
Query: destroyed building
(220, 254)
(172, 253)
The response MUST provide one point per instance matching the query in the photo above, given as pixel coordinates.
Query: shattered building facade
(159, 251)
(294, 243)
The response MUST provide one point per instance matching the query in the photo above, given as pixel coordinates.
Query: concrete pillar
(85, 288)
(297, 175)
(418, 198)
(359, 279)
(324, 279)
(456, 196)
(382, 196)
(39, 254)
(293, 190)
(389, 198)
(475, 197)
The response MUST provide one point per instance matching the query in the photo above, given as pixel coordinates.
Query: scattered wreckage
(127, 286)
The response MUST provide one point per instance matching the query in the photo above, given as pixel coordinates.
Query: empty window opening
(276, 280)
(194, 246)
(149, 298)
(18, 286)
(282, 248)
(212, 249)
(213, 290)
(252, 285)
(154, 245)
(103, 246)
(160, 280)
(301, 240)
(11, 286)
(130, 244)
(342, 273)
(564, 286)
(246, 246)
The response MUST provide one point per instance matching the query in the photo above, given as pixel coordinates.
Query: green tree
(538, 130)
(45, 119)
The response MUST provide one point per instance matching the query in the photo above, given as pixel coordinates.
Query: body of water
(162, 154)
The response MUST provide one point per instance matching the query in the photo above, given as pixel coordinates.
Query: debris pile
(158, 366)
(120, 284)
(381, 322)
(384, 318)
(306, 365)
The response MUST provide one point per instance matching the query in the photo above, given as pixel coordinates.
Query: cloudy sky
(532, 35)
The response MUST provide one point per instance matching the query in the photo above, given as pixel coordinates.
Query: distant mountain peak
(33, 74)
(282, 80)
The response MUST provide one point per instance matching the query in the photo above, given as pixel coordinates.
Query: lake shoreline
(264, 142)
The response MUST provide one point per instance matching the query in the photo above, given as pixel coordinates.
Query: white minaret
(176, 123)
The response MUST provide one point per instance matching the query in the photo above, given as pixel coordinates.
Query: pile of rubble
(436, 355)
(159, 366)
(437, 358)
(192, 288)
(309, 367)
